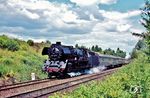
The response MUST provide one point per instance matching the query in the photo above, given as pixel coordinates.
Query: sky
(107, 23)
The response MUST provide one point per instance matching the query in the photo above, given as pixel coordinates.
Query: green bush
(13, 45)
(30, 42)
(7, 43)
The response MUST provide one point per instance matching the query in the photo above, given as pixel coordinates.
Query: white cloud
(85, 25)
(42, 14)
(108, 1)
(123, 27)
(113, 31)
(114, 15)
(85, 2)
(69, 17)
(92, 2)
(30, 14)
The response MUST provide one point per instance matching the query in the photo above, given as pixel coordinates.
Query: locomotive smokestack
(58, 43)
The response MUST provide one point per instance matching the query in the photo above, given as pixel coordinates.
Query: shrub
(30, 42)
(12, 45)
(7, 43)
(48, 42)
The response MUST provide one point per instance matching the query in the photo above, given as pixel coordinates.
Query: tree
(120, 53)
(146, 24)
(109, 51)
(134, 54)
(140, 45)
(30, 42)
(100, 49)
(96, 48)
(83, 47)
(77, 46)
(48, 42)
(93, 48)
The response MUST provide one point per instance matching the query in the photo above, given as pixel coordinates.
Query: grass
(22, 62)
(122, 84)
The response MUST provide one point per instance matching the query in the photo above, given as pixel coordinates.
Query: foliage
(96, 48)
(109, 51)
(122, 84)
(48, 42)
(30, 42)
(20, 64)
(120, 53)
(134, 54)
(140, 46)
(77, 46)
(7, 43)
(146, 24)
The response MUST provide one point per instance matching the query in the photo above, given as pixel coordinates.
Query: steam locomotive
(64, 59)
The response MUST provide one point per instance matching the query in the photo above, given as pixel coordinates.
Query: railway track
(46, 87)
(15, 85)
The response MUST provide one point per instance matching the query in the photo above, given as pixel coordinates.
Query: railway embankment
(131, 81)
(18, 59)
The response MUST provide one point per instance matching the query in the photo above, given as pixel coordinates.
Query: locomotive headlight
(75, 58)
(47, 62)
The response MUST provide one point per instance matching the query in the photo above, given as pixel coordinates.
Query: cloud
(29, 14)
(84, 24)
(114, 15)
(92, 2)
(113, 32)
(108, 1)
(123, 27)
(84, 2)
(35, 14)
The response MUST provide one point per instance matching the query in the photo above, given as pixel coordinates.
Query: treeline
(12, 44)
(108, 51)
(32, 43)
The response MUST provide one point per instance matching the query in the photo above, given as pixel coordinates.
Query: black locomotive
(64, 59)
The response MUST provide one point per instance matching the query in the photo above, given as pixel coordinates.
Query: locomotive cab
(81, 55)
